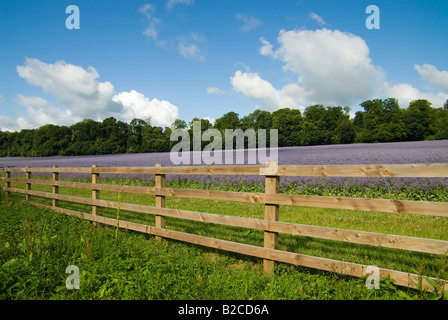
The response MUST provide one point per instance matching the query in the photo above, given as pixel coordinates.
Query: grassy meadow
(37, 246)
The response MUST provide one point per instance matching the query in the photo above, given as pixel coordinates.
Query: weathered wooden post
(8, 183)
(271, 213)
(95, 192)
(55, 187)
(160, 201)
(28, 184)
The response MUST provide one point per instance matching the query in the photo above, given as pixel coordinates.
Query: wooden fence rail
(270, 225)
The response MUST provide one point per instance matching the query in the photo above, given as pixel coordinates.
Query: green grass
(37, 245)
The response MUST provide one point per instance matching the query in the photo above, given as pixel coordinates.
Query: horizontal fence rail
(271, 200)
(361, 170)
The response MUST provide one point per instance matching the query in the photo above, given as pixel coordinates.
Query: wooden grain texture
(271, 213)
(7, 183)
(366, 170)
(159, 201)
(352, 236)
(362, 170)
(55, 187)
(27, 185)
(362, 204)
(95, 192)
(50, 169)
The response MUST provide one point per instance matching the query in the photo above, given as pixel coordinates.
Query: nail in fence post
(160, 201)
(28, 185)
(271, 212)
(95, 193)
(55, 187)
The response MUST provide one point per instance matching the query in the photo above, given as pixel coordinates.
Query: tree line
(382, 120)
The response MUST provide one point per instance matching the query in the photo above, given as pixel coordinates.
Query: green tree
(382, 121)
(83, 138)
(179, 124)
(135, 135)
(50, 140)
(288, 122)
(113, 136)
(440, 124)
(230, 120)
(417, 120)
(345, 132)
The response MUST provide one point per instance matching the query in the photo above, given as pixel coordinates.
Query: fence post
(160, 201)
(271, 213)
(95, 193)
(28, 185)
(8, 183)
(55, 187)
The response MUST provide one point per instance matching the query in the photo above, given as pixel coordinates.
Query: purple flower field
(381, 153)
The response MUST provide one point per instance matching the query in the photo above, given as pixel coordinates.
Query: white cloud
(266, 48)
(405, 93)
(332, 68)
(432, 75)
(136, 105)
(32, 101)
(171, 3)
(2, 100)
(249, 22)
(317, 18)
(252, 85)
(76, 89)
(151, 31)
(147, 10)
(190, 50)
(81, 96)
(212, 120)
(39, 113)
(213, 90)
(188, 47)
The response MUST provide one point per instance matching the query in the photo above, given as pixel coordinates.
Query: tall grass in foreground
(37, 246)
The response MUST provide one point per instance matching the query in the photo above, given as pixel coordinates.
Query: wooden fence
(271, 199)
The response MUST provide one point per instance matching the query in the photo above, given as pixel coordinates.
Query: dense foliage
(381, 121)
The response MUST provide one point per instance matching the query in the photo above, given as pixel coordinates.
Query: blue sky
(203, 58)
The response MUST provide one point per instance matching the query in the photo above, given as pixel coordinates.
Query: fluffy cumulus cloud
(77, 89)
(429, 73)
(79, 96)
(332, 68)
(40, 112)
(252, 85)
(136, 105)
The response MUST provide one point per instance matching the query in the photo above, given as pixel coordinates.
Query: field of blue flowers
(430, 189)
